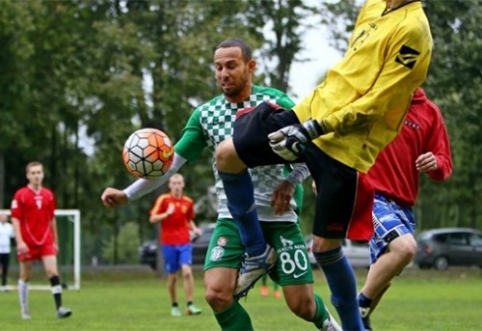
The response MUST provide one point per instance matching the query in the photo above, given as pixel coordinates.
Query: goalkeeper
(337, 130)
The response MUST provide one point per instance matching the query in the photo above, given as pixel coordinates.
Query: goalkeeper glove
(290, 141)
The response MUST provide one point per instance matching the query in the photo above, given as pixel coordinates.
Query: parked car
(357, 253)
(441, 248)
(148, 250)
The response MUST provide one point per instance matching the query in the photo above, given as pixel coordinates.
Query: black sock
(189, 303)
(174, 304)
(56, 291)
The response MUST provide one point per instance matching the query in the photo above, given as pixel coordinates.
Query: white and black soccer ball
(148, 153)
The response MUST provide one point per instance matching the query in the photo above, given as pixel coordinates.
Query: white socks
(23, 294)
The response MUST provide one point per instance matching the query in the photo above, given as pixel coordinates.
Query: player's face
(233, 74)
(35, 175)
(3, 218)
(176, 185)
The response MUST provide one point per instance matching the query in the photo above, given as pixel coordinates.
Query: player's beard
(238, 88)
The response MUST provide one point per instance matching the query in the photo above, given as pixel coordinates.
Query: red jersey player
(35, 228)
(422, 146)
(175, 212)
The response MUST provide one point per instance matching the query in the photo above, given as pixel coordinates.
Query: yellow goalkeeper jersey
(364, 98)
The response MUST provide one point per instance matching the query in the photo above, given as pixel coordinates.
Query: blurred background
(77, 77)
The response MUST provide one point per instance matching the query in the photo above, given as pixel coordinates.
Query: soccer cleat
(63, 312)
(193, 310)
(25, 315)
(175, 312)
(330, 323)
(252, 269)
(365, 316)
(367, 324)
(264, 291)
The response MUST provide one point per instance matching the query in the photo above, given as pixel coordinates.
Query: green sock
(321, 312)
(234, 318)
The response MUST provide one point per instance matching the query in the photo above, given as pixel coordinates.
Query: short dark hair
(236, 42)
(33, 164)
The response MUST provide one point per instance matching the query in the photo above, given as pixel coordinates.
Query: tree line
(73, 87)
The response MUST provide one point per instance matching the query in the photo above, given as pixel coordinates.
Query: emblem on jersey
(216, 253)
(14, 204)
(286, 242)
(407, 56)
(222, 241)
(38, 201)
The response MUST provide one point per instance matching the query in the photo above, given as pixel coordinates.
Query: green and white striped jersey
(213, 122)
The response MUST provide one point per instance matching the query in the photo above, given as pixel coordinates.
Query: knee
(51, 272)
(217, 297)
(304, 308)
(227, 160)
(405, 248)
(186, 272)
(223, 155)
(323, 244)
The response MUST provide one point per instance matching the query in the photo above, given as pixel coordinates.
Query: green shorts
(292, 266)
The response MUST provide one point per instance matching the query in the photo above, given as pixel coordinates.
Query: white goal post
(71, 215)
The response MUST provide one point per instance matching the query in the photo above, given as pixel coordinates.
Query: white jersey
(6, 234)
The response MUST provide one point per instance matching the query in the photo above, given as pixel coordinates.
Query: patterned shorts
(390, 221)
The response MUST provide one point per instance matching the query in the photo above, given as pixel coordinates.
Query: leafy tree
(123, 248)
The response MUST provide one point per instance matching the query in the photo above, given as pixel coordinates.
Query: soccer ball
(148, 153)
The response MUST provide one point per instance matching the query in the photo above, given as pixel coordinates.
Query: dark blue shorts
(175, 256)
(344, 201)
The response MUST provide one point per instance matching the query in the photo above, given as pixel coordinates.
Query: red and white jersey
(35, 211)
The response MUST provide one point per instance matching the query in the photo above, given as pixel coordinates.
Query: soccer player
(208, 126)
(175, 212)
(421, 147)
(35, 228)
(337, 130)
(6, 236)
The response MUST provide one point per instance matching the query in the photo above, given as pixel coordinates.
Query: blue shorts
(175, 256)
(389, 221)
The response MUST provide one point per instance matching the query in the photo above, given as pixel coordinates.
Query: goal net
(68, 258)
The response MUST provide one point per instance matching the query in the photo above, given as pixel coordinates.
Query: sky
(306, 75)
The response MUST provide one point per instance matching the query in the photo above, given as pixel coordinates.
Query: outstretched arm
(112, 197)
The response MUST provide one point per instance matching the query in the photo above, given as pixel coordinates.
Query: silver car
(357, 253)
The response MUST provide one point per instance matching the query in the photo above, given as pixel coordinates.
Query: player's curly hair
(236, 42)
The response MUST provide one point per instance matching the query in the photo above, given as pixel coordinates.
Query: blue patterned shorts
(389, 221)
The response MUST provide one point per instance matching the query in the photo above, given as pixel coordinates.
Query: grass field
(137, 300)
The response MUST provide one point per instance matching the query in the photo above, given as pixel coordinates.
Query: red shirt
(394, 174)
(174, 229)
(35, 212)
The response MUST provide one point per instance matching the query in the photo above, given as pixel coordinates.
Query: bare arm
(53, 224)
(158, 218)
(194, 228)
(22, 248)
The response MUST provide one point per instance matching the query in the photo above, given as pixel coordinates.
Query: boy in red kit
(35, 229)
(422, 146)
(175, 212)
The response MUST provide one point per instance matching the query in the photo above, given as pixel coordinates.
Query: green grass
(137, 300)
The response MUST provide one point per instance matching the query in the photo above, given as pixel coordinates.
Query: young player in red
(35, 228)
(421, 147)
(175, 212)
